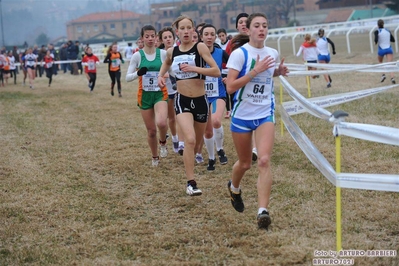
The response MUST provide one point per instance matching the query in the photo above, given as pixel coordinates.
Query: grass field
(77, 186)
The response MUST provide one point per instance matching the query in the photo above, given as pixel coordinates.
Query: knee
(208, 134)
(216, 123)
(264, 162)
(172, 120)
(162, 124)
(245, 166)
(152, 133)
(189, 141)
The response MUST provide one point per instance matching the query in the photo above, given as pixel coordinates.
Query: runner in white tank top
(383, 38)
(251, 71)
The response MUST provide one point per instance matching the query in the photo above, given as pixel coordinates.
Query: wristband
(250, 76)
(255, 71)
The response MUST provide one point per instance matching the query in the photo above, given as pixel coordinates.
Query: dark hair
(110, 47)
(320, 32)
(241, 39)
(165, 30)
(200, 25)
(254, 15)
(241, 15)
(147, 27)
(198, 35)
(207, 26)
(221, 31)
(380, 23)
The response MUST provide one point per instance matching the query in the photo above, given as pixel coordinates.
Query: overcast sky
(24, 20)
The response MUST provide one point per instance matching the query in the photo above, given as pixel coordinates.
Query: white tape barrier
(368, 181)
(375, 133)
(363, 131)
(306, 104)
(331, 69)
(55, 62)
(294, 108)
(383, 67)
(379, 182)
(313, 154)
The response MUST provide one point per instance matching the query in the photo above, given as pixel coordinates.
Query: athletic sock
(234, 189)
(218, 134)
(209, 144)
(260, 210)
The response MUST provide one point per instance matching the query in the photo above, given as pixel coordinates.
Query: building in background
(104, 26)
(126, 25)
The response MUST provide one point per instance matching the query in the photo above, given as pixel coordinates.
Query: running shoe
(264, 220)
(236, 199)
(112, 92)
(155, 161)
(175, 146)
(192, 189)
(393, 81)
(164, 151)
(329, 85)
(211, 165)
(222, 157)
(254, 155)
(199, 158)
(181, 149)
(120, 95)
(383, 77)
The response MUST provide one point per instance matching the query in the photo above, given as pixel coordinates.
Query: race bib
(181, 60)
(150, 81)
(116, 63)
(91, 65)
(30, 63)
(257, 91)
(211, 87)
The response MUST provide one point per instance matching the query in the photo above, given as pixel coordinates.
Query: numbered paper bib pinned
(150, 81)
(211, 87)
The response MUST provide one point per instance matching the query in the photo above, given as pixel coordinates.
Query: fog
(24, 20)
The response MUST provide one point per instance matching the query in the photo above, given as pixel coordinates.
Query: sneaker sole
(231, 198)
(264, 221)
(223, 163)
(194, 193)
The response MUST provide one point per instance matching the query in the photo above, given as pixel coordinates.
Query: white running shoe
(199, 158)
(192, 189)
(155, 161)
(164, 151)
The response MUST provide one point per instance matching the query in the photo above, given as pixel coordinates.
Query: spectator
(72, 55)
(63, 57)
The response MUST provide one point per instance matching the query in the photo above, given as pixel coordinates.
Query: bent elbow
(216, 73)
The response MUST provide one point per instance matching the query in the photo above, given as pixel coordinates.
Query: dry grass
(77, 186)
